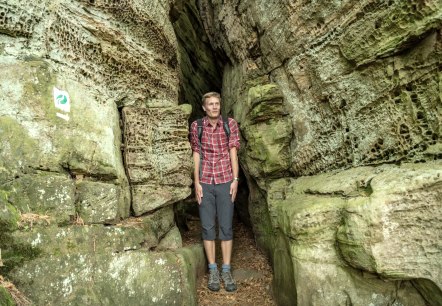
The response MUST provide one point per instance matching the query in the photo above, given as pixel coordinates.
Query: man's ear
(204, 108)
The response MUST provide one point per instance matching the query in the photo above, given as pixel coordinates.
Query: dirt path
(250, 268)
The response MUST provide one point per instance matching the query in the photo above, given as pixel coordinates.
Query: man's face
(212, 107)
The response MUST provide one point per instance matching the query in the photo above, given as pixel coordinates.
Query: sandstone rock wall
(200, 67)
(322, 90)
(90, 134)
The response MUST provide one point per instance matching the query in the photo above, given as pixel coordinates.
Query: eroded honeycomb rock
(126, 50)
(16, 20)
(387, 27)
(157, 155)
(361, 80)
(140, 66)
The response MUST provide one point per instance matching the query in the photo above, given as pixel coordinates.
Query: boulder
(134, 277)
(348, 234)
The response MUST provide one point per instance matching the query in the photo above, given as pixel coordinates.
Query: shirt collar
(206, 121)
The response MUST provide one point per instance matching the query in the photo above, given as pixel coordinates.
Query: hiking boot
(229, 282)
(214, 283)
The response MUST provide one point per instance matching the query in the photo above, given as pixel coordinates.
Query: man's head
(212, 104)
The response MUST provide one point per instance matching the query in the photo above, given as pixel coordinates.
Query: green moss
(259, 81)
(260, 219)
(268, 147)
(9, 215)
(14, 253)
(17, 255)
(261, 93)
(17, 150)
(362, 42)
(44, 193)
(6, 298)
(71, 245)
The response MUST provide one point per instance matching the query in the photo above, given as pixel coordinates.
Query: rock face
(90, 134)
(355, 231)
(340, 108)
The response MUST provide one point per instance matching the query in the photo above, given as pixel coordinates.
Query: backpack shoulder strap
(226, 126)
(199, 123)
(200, 128)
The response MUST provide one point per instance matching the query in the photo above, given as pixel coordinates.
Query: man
(216, 185)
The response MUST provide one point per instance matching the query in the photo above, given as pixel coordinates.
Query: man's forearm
(234, 161)
(196, 167)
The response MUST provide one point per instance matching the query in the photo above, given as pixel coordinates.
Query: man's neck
(213, 121)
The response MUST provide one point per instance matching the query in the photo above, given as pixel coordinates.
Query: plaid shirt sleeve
(234, 134)
(194, 141)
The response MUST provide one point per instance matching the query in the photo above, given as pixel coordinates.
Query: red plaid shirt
(216, 165)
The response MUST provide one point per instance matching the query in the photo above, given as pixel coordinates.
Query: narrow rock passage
(250, 267)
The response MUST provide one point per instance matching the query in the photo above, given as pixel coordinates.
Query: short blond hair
(210, 95)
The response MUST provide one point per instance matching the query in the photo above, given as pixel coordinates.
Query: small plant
(28, 220)
(77, 220)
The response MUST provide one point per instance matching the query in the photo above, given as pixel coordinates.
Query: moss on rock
(9, 215)
(6, 298)
(87, 279)
(268, 131)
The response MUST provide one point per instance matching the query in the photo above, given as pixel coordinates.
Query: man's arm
(194, 143)
(235, 170)
(196, 175)
(234, 145)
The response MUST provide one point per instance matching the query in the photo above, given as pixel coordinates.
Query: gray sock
(226, 268)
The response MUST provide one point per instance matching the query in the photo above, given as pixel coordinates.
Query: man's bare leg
(209, 247)
(226, 248)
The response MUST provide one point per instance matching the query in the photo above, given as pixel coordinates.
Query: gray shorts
(216, 202)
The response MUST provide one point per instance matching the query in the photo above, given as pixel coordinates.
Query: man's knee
(209, 232)
(225, 233)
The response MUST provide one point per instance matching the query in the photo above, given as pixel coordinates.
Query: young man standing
(216, 184)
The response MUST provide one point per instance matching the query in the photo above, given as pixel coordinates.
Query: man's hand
(233, 189)
(198, 193)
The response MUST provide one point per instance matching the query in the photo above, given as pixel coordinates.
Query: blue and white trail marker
(62, 102)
